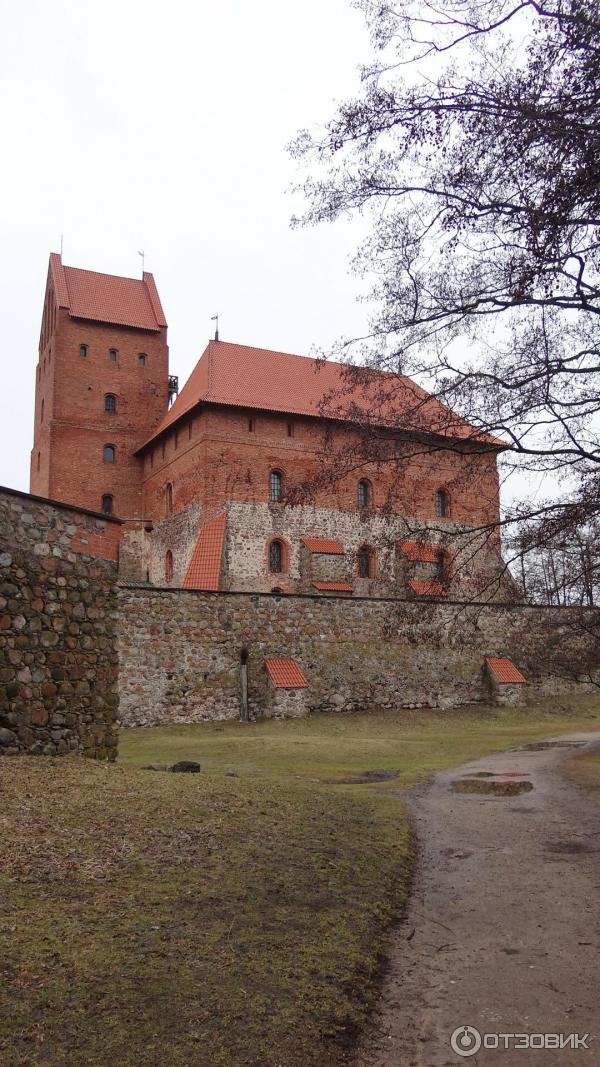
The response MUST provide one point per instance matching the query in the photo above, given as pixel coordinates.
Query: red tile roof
(323, 545)
(417, 552)
(241, 376)
(107, 297)
(433, 589)
(333, 587)
(505, 672)
(204, 570)
(285, 674)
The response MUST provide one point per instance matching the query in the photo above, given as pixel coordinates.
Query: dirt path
(503, 930)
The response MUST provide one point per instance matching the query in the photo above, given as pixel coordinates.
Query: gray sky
(132, 125)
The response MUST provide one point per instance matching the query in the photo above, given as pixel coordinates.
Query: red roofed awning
(204, 570)
(417, 552)
(505, 672)
(333, 587)
(432, 589)
(324, 545)
(285, 674)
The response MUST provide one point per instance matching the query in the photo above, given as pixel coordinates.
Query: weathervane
(215, 318)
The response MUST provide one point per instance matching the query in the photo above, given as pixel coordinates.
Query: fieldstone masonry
(180, 652)
(58, 665)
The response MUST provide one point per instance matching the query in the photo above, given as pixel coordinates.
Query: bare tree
(473, 146)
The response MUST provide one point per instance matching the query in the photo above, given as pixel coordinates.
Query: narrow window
(290, 429)
(109, 453)
(162, 449)
(142, 359)
(251, 425)
(441, 503)
(169, 499)
(42, 412)
(169, 566)
(83, 350)
(110, 403)
(275, 487)
(107, 504)
(39, 459)
(364, 562)
(441, 567)
(363, 494)
(112, 355)
(276, 557)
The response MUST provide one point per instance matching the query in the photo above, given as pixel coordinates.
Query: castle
(268, 472)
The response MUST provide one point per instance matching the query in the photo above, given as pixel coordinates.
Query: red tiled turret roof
(241, 376)
(87, 294)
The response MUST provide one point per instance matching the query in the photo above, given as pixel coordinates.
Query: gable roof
(87, 294)
(256, 378)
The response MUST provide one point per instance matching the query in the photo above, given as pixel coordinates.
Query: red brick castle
(236, 484)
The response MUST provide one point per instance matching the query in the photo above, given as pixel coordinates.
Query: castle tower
(102, 385)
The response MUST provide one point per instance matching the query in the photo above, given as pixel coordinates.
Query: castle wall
(58, 665)
(180, 652)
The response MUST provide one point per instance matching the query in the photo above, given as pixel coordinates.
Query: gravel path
(503, 931)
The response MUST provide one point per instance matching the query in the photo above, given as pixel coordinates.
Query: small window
(276, 557)
(112, 355)
(364, 495)
(441, 503)
(39, 460)
(162, 449)
(441, 567)
(169, 566)
(42, 412)
(109, 453)
(251, 425)
(107, 504)
(290, 429)
(83, 351)
(275, 482)
(110, 403)
(365, 562)
(142, 359)
(169, 499)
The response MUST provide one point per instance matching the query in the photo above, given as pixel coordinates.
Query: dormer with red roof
(102, 386)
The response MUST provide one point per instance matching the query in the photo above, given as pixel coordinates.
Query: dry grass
(156, 919)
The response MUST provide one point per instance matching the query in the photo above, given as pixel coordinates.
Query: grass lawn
(235, 918)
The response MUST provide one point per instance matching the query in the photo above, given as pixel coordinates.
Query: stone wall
(180, 651)
(58, 665)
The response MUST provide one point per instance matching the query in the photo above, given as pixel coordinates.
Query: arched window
(169, 566)
(169, 499)
(364, 494)
(110, 403)
(109, 453)
(276, 557)
(83, 350)
(107, 504)
(142, 359)
(442, 503)
(112, 355)
(365, 562)
(275, 484)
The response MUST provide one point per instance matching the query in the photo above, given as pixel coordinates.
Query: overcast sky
(131, 125)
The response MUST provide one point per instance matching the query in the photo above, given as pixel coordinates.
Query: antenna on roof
(143, 255)
(215, 318)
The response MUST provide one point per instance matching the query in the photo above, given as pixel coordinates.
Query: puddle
(541, 746)
(509, 788)
(364, 778)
